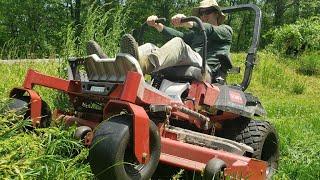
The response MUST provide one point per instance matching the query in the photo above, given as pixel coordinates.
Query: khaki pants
(174, 53)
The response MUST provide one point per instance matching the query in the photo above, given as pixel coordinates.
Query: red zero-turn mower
(177, 121)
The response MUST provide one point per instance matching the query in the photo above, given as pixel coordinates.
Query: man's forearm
(170, 32)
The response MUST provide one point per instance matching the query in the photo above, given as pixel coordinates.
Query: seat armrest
(225, 61)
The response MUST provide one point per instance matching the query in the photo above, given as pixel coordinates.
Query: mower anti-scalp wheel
(21, 106)
(111, 154)
(81, 132)
(261, 136)
(214, 169)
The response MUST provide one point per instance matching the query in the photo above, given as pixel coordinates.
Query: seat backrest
(110, 69)
(189, 73)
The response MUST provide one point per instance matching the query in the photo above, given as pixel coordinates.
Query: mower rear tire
(21, 106)
(261, 136)
(111, 154)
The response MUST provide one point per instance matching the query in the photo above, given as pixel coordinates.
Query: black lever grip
(186, 19)
(144, 27)
(161, 20)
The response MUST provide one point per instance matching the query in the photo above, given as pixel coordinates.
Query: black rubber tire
(21, 105)
(112, 145)
(260, 135)
(81, 132)
(214, 169)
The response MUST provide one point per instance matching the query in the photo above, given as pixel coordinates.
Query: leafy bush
(26, 33)
(294, 39)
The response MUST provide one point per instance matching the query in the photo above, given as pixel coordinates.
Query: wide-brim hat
(206, 4)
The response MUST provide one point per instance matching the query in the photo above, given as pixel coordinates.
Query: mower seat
(180, 73)
(110, 69)
(187, 73)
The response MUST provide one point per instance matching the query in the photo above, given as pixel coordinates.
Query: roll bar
(205, 40)
(251, 55)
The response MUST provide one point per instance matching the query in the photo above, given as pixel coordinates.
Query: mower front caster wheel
(111, 155)
(81, 132)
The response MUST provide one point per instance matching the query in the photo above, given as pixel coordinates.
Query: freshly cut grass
(290, 98)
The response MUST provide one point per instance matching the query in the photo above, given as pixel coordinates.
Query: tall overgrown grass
(105, 27)
(309, 64)
(50, 153)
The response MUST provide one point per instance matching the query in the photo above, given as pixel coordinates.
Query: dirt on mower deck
(13, 61)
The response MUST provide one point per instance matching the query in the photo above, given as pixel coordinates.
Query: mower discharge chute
(178, 120)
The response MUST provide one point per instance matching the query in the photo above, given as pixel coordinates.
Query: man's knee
(177, 42)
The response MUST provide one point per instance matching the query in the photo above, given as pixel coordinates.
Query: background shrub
(294, 39)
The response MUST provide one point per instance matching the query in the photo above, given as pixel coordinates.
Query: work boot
(129, 45)
(94, 48)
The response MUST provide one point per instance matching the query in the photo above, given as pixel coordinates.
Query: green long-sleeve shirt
(219, 40)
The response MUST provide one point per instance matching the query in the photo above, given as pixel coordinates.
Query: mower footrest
(181, 162)
(209, 141)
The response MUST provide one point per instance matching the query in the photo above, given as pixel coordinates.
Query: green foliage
(288, 39)
(273, 75)
(32, 29)
(11, 122)
(309, 64)
(242, 24)
(105, 27)
(298, 137)
(298, 88)
(294, 39)
(50, 153)
(39, 29)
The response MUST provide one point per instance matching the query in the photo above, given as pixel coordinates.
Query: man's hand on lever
(176, 21)
(151, 21)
